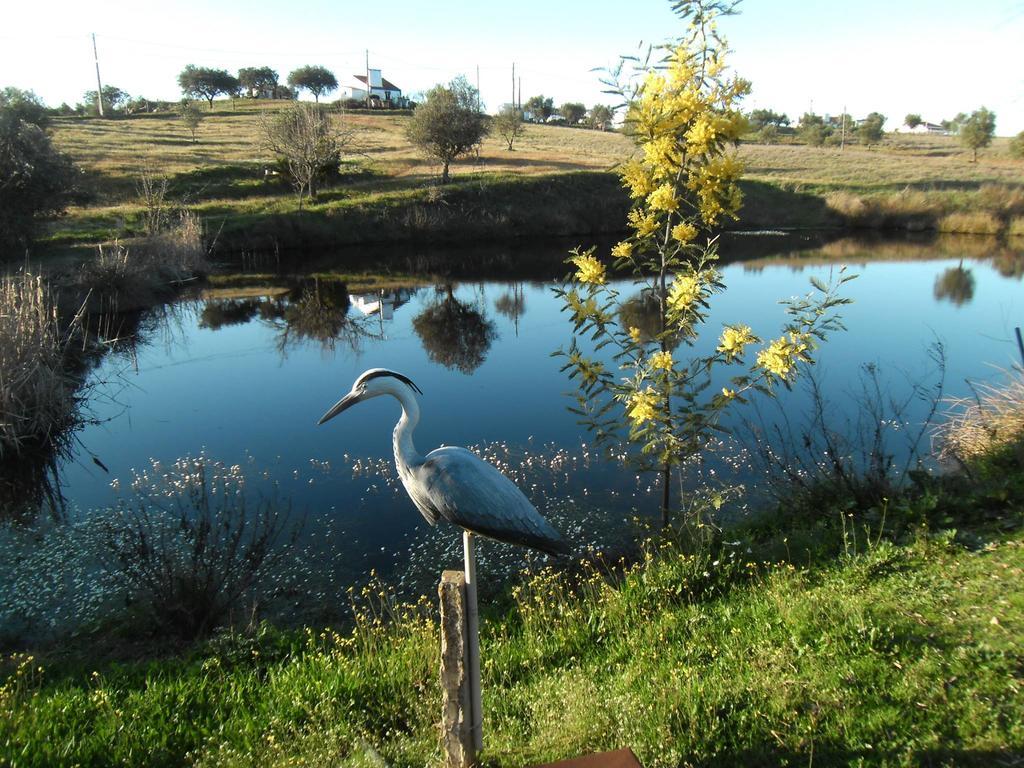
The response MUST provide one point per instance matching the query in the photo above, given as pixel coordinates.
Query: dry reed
(37, 393)
(992, 419)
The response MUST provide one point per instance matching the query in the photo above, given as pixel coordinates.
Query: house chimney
(375, 79)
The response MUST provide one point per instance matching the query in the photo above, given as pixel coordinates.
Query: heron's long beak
(348, 400)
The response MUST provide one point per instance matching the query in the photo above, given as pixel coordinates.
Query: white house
(923, 128)
(380, 88)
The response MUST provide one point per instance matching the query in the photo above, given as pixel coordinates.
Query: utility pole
(519, 101)
(367, 78)
(99, 85)
(842, 140)
(477, 87)
(513, 85)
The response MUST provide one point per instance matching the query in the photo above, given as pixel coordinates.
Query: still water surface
(242, 376)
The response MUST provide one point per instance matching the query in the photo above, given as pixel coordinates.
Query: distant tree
(870, 129)
(768, 134)
(306, 140)
(813, 129)
(207, 83)
(508, 124)
(284, 92)
(316, 80)
(759, 118)
(191, 116)
(976, 131)
(600, 117)
(912, 120)
(23, 105)
(35, 179)
(1017, 146)
(114, 100)
(258, 82)
(573, 112)
(541, 107)
(448, 123)
(954, 125)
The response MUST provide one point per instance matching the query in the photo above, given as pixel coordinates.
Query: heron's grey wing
(470, 492)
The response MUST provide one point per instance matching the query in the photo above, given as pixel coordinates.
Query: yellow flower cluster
(634, 175)
(644, 223)
(683, 293)
(684, 232)
(589, 269)
(642, 406)
(734, 339)
(635, 334)
(622, 250)
(663, 199)
(781, 356)
(661, 361)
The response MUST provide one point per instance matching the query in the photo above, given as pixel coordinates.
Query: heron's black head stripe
(400, 377)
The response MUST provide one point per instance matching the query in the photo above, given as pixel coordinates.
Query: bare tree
(308, 141)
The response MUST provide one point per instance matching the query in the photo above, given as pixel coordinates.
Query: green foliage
(976, 131)
(600, 117)
(1017, 146)
(768, 134)
(306, 140)
(870, 129)
(449, 123)
(508, 124)
(115, 101)
(315, 79)
(206, 83)
(760, 118)
(36, 180)
(912, 120)
(813, 129)
(541, 107)
(24, 106)
(191, 117)
(573, 112)
(258, 82)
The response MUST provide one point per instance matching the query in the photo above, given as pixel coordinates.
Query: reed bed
(994, 418)
(37, 393)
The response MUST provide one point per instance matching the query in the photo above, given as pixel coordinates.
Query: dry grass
(37, 395)
(970, 223)
(1016, 226)
(993, 419)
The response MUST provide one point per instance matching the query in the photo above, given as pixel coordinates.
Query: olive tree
(976, 131)
(206, 83)
(316, 80)
(600, 117)
(258, 82)
(912, 120)
(305, 138)
(449, 123)
(1017, 146)
(191, 116)
(508, 124)
(573, 112)
(870, 129)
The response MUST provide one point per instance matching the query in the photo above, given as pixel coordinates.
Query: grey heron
(452, 483)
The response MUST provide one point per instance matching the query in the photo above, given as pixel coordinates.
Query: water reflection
(512, 305)
(454, 334)
(955, 285)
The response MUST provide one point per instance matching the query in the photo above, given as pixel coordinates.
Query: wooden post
(456, 705)
(1020, 344)
(473, 641)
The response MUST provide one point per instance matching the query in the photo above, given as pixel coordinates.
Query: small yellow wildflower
(728, 394)
(642, 406)
(661, 361)
(734, 339)
(663, 198)
(589, 269)
(622, 250)
(634, 334)
(684, 232)
(684, 293)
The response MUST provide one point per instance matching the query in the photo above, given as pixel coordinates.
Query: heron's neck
(405, 452)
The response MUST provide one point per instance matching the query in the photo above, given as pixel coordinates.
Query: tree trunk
(444, 173)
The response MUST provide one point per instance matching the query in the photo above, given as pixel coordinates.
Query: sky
(934, 58)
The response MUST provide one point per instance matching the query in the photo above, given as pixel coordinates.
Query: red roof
(385, 84)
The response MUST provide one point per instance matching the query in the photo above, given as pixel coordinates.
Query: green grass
(808, 638)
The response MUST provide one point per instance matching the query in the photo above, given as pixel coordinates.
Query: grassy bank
(558, 181)
(825, 635)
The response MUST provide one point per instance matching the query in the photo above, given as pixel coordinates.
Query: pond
(242, 372)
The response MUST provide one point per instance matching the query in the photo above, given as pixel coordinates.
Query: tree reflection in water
(955, 285)
(512, 305)
(453, 333)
